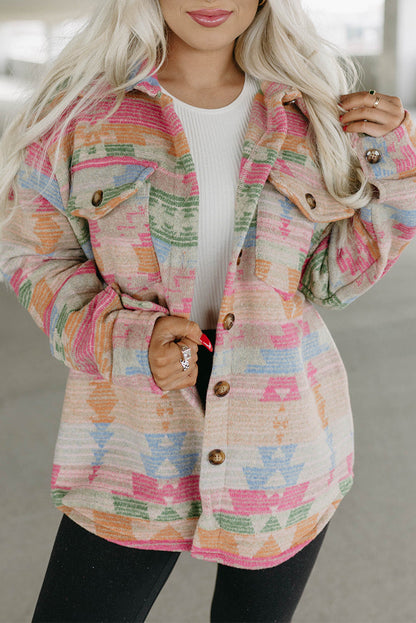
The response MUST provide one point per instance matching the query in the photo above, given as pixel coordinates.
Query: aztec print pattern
(131, 461)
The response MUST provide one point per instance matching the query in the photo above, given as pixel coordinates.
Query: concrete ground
(365, 571)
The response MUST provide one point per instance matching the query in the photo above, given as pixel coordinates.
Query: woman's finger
(370, 121)
(371, 114)
(386, 103)
(366, 99)
(181, 378)
(186, 341)
(368, 127)
(175, 377)
(362, 116)
(385, 120)
(383, 106)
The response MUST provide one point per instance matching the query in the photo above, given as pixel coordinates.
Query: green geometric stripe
(62, 320)
(120, 150)
(345, 485)
(172, 202)
(241, 525)
(185, 164)
(271, 525)
(57, 496)
(130, 508)
(25, 293)
(168, 514)
(298, 514)
(195, 509)
(291, 156)
(176, 223)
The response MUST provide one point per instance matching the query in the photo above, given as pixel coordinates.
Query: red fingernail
(205, 342)
(345, 127)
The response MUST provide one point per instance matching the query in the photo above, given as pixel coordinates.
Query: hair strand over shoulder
(123, 41)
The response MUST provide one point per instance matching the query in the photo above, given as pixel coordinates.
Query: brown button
(239, 257)
(311, 200)
(373, 156)
(222, 388)
(97, 198)
(228, 321)
(216, 456)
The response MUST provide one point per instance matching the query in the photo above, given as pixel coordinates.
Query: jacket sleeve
(335, 275)
(92, 326)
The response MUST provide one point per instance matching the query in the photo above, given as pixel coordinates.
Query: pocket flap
(98, 187)
(295, 175)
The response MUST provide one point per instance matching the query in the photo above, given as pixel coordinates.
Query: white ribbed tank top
(215, 137)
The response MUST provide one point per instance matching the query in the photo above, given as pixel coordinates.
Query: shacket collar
(275, 94)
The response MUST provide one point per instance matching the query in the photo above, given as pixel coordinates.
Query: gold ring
(377, 102)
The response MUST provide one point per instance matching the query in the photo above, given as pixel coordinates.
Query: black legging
(89, 579)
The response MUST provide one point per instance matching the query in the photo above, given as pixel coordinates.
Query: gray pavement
(365, 571)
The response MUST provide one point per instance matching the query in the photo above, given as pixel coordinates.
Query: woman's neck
(199, 70)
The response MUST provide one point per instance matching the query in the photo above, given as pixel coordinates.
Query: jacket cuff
(131, 338)
(397, 152)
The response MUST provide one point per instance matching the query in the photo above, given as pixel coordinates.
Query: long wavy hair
(123, 41)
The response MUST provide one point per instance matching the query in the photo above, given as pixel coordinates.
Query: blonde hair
(107, 57)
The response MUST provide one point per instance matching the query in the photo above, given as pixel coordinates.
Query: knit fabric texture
(99, 251)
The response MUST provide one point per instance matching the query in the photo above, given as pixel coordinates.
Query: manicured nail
(205, 342)
(345, 128)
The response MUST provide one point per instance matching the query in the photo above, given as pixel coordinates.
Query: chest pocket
(114, 200)
(283, 237)
(97, 188)
(292, 206)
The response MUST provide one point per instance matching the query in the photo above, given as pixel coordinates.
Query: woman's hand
(362, 116)
(169, 334)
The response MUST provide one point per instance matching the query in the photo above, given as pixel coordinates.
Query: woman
(190, 175)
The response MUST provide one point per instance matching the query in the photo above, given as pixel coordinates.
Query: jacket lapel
(265, 135)
(173, 210)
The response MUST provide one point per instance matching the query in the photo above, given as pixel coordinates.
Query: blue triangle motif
(101, 434)
(257, 477)
(98, 456)
(168, 447)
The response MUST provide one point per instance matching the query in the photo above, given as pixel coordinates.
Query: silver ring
(185, 364)
(186, 354)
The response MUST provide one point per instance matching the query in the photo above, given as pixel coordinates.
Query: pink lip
(210, 18)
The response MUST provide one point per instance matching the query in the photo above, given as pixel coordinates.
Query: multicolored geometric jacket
(110, 245)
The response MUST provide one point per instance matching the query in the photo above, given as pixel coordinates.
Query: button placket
(216, 456)
(228, 321)
(221, 388)
(216, 425)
